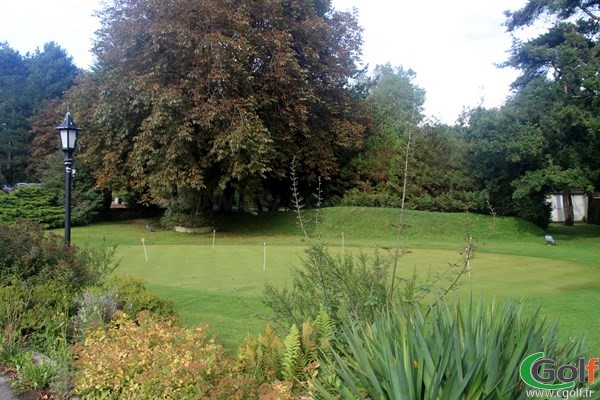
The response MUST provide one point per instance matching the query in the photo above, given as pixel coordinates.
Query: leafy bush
(453, 353)
(95, 305)
(98, 304)
(534, 209)
(170, 220)
(339, 284)
(13, 305)
(135, 297)
(450, 201)
(40, 279)
(38, 317)
(46, 318)
(178, 214)
(152, 358)
(39, 313)
(27, 255)
(31, 373)
(357, 198)
(87, 203)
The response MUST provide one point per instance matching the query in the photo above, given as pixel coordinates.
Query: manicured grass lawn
(223, 287)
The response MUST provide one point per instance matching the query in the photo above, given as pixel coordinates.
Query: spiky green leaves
(456, 352)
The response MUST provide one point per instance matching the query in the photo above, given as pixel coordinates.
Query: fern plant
(325, 329)
(294, 358)
(262, 356)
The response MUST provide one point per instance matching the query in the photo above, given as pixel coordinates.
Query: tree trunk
(241, 203)
(257, 203)
(568, 207)
(274, 203)
(227, 199)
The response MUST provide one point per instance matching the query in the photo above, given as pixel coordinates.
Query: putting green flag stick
(214, 234)
(265, 257)
(145, 252)
(469, 250)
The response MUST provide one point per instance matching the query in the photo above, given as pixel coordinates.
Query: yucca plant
(456, 352)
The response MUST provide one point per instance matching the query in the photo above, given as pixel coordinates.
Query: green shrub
(32, 204)
(98, 304)
(450, 201)
(179, 214)
(45, 205)
(13, 304)
(39, 313)
(357, 198)
(534, 209)
(28, 255)
(87, 203)
(38, 317)
(341, 285)
(134, 297)
(31, 373)
(40, 279)
(152, 358)
(46, 322)
(34, 370)
(453, 353)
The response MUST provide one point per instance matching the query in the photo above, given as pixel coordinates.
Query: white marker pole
(343, 239)
(469, 266)
(214, 234)
(265, 257)
(469, 250)
(145, 252)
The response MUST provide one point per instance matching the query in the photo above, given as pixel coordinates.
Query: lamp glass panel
(72, 138)
(68, 138)
(64, 140)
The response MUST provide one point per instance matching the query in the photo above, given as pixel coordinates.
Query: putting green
(222, 286)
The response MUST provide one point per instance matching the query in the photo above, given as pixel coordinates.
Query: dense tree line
(437, 178)
(546, 138)
(26, 84)
(195, 102)
(32, 89)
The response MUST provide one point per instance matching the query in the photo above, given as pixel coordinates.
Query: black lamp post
(68, 138)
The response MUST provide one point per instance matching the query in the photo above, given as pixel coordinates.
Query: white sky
(451, 45)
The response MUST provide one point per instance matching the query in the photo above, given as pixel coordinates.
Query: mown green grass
(223, 287)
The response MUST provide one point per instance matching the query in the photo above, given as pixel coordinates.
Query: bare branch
(588, 12)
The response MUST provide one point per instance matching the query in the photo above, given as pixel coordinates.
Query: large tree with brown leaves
(191, 95)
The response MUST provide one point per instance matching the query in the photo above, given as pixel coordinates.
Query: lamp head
(68, 131)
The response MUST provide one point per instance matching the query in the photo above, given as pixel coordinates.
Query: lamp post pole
(68, 131)
(68, 176)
